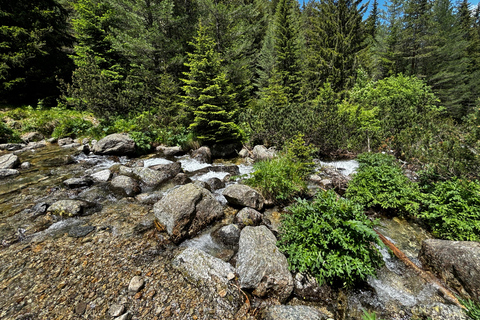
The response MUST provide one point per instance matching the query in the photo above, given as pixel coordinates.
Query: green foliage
(7, 134)
(473, 308)
(57, 122)
(452, 210)
(330, 238)
(380, 183)
(369, 315)
(283, 177)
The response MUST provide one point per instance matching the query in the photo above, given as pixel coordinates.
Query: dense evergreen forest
(404, 78)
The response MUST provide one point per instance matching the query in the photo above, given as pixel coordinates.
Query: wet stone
(9, 161)
(126, 316)
(78, 182)
(80, 308)
(102, 176)
(4, 173)
(135, 284)
(116, 310)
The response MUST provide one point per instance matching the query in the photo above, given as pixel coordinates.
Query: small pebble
(135, 284)
(116, 310)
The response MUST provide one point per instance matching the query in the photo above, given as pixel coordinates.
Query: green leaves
(452, 210)
(331, 238)
(380, 183)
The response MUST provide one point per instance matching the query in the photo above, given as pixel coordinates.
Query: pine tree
(208, 94)
(391, 53)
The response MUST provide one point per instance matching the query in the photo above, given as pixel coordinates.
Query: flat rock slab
(80, 231)
(242, 195)
(186, 210)
(293, 313)
(78, 182)
(261, 266)
(9, 161)
(457, 263)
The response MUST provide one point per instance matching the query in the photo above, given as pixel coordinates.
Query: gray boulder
(244, 153)
(149, 198)
(457, 263)
(227, 235)
(169, 151)
(306, 287)
(101, 176)
(215, 184)
(150, 177)
(9, 161)
(181, 179)
(78, 182)
(69, 208)
(261, 266)
(32, 137)
(186, 210)
(242, 195)
(64, 141)
(125, 186)
(5, 173)
(293, 313)
(12, 146)
(248, 217)
(115, 144)
(212, 276)
(261, 153)
(202, 154)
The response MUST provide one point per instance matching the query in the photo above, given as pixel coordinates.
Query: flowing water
(395, 293)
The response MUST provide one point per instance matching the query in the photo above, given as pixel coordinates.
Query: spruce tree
(209, 97)
(335, 36)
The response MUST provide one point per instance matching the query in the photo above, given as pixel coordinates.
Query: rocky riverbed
(166, 236)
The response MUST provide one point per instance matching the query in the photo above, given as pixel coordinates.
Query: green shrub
(283, 178)
(278, 179)
(7, 134)
(473, 308)
(452, 210)
(72, 127)
(330, 238)
(380, 183)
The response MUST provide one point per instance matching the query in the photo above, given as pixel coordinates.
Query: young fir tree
(392, 61)
(209, 97)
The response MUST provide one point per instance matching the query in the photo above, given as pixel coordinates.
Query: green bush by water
(452, 210)
(380, 183)
(332, 239)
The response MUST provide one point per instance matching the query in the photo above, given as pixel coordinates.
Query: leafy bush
(452, 210)
(379, 182)
(72, 127)
(283, 177)
(7, 134)
(330, 238)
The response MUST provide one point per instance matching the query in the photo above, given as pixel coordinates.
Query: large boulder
(125, 186)
(69, 208)
(261, 266)
(212, 276)
(9, 161)
(293, 313)
(115, 144)
(242, 195)
(32, 137)
(248, 217)
(261, 153)
(150, 177)
(186, 210)
(169, 151)
(202, 155)
(457, 263)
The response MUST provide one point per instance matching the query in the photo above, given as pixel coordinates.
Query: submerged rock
(242, 195)
(212, 276)
(115, 144)
(9, 161)
(186, 210)
(457, 263)
(293, 313)
(261, 266)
